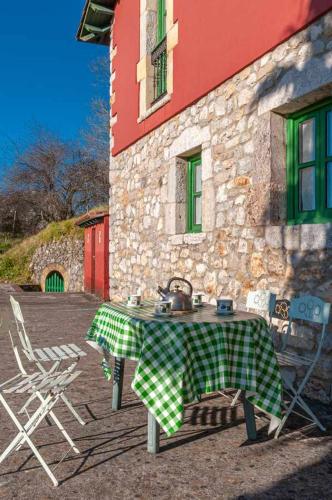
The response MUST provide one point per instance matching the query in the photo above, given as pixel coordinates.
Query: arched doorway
(54, 282)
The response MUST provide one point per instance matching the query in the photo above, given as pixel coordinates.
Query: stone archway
(51, 268)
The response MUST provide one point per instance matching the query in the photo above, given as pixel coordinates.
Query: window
(194, 195)
(309, 165)
(159, 54)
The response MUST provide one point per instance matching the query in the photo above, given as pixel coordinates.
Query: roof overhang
(92, 218)
(96, 21)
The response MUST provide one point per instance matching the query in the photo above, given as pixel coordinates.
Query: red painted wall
(216, 40)
(101, 266)
(87, 259)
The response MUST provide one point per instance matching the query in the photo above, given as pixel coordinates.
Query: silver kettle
(180, 301)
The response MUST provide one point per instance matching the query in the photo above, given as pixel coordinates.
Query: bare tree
(53, 180)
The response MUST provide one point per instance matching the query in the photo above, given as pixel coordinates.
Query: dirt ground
(208, 458)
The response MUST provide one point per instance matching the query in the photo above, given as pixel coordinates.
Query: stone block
(190, 139)
(313, 236)
(177, 181)
(208, 206)
(175, 220)
(274, 236)
(220, 106)
(194, 239)
(177, 239)
(173, 37)
(257, 267)
(207, 167)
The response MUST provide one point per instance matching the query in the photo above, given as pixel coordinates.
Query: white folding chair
(48, 388)
(262, 301)
(313, 310)
(55, 355)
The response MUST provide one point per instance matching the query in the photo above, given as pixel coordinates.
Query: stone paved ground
(209, 457)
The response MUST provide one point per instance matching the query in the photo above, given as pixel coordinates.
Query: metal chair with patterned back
(315, 311)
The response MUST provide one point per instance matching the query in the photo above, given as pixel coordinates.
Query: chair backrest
(311, 309)
(281, 309)
(261, 300)
(22, 333)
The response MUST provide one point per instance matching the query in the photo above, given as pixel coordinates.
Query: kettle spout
(161, 292)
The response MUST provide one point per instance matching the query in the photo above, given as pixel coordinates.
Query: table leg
(250, 418)
(153, 434)
(117, 383)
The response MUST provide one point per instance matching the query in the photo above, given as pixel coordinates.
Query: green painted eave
(96, 21)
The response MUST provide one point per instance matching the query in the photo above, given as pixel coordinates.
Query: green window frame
(309, 165)
(194, 194)
(159, 54)
(161, 20)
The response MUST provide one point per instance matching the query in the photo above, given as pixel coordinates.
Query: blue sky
(44, 73)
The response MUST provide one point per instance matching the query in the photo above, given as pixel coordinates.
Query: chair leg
(60, 426)
(285, 417)
(25, 430)
(64, 432)
(307, 409)
(42, 461)
(72, 409)
(236, 397)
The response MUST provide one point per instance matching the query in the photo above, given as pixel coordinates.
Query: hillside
(14, 263)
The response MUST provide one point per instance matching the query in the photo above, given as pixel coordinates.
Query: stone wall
(245, 244)
(64, 255)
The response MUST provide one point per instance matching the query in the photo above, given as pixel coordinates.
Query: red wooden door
(93, 260)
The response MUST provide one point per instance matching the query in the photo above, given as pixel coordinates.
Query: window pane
(329, 185)
(198, 210)
(307, 189)
(329, 133)
(198, 178)
(307, 141)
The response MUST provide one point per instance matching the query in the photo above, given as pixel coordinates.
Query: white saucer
(132, 305)
(224, 314)
(162, 315)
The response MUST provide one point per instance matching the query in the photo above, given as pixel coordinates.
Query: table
(180, 358)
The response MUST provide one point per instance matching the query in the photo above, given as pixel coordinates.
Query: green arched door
(54, 282)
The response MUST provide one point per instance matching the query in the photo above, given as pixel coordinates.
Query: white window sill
(164, 100)
(187, 239)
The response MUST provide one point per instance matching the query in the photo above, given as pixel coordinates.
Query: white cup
(134, 300)
(198, 299)
(163, 308)
(224, 306)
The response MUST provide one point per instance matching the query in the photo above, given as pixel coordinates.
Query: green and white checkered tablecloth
(180, 358)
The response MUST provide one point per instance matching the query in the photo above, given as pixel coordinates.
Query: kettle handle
(184, 281)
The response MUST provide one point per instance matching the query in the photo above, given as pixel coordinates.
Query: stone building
(221, 168)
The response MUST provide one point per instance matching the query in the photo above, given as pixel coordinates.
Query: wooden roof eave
(96, 21)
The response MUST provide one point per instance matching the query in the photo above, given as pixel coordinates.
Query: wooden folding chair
(48, 388)
(41, 356)
(313, 310)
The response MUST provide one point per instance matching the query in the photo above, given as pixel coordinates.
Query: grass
(15, 262)
(7, 241)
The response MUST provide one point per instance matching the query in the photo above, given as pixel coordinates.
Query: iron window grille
(159, 63)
